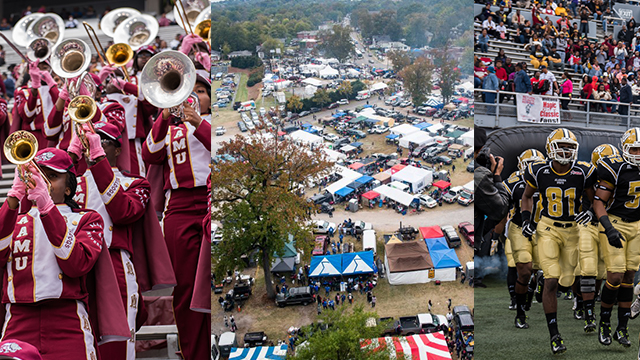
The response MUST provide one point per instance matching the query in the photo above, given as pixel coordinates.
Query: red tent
(441, 184)
(431, 232)
(356, 166)
(370, 195)
(397, 168)
(281, 133)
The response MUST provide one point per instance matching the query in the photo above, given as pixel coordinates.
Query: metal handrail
(607, 102)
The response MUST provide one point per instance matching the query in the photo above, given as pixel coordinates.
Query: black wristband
(606, 223)
(497, 179)
(526, 216)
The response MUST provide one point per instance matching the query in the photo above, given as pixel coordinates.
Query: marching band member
(34, 100)
(57, 244)
(183, 148)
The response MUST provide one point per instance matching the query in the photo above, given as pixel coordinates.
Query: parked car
(321, 226)
(451, 235)
(242, 126)
(253, 339)
(343, 101)
(297, 295)
(315, 109)
(462, 318)
(451, 196)
(242, 290)
(321, 244)
(471, 166)
(320, 198)
(326, 208)
(333, 105)
(466, 229)
(330, 137)
(378, 129)
(305, 113)
(357, 133)
(428, 201)
(220, 130)
(442, 159)
(249, 124)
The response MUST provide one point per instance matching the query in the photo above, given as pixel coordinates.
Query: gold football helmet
(528, 156)
(603, 150)
(630, 139)
(562, 154)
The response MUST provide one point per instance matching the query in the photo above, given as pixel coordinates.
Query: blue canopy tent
(344, 191)
(355, 185)
(364, 179)
(259, 353)
(367, 106)
(444, 258)
(328, 265)
(306, 125)
(356, 144)
(358, 263)
(434, 103)
(337, 115)
(456, 101)
(371, 121)
(422, 125)
(392, 136)
(436, 244)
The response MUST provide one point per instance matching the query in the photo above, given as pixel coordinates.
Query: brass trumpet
(82, 109)
(20, 149)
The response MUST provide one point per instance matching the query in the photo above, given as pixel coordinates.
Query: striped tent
(415, 347)
(259, 353)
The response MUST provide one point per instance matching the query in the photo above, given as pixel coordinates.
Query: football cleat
(529, 156)
(578, 314)
(568, 295)
(562, 146)
(622, 336)
(589, 321)
(557, 344)
(513, 305)
(603, 150)
(635, 308)
(604, 333)
(575, 304)
(521, 323)
(630, 139)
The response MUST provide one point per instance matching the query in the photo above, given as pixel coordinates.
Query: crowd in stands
(602, 69)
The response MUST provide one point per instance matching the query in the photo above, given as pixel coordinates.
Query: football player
(591, 263)
(616, 206)
(521, 246)
(560, 181)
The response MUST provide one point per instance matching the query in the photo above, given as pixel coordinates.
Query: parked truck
(420, 324)
(465, 196)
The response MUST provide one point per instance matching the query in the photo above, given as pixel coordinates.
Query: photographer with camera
(491, 197)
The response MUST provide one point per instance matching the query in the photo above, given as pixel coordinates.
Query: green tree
(337, 42)
(321, 97)
(449, 73)
(272, 44)
(417, 79)
(399, 59)
(417, 26)
(344, 88)
(343, 337)
(256, 201)
(294, 104)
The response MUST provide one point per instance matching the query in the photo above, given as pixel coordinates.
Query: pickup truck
(378, 129)
(220, 130)
(242, 290)
(463, 324)
(411, 325)
(465, 198)
(361, 226)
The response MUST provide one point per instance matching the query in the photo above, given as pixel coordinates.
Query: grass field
(242, 92)
(497, 338)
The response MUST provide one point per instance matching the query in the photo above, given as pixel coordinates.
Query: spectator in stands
(563, 23)
(517, 19)
(502, 15)
(548, 76)
(175, 43)
(561, 47)
(575, 62)
(479, 73)
(635, 89)
(626, 97)
(523, 3)
(76, 13)
(566, 90)
(537, 57)
(631, 27)
(501, 73)
(523, 35)
(9, 84)
(509, 67)
(602, 54)
(163, 21)
(555, 61)
(501, 56)
(483, 41)
(548, 10)
(501, 30)
(490, 83)
(561, 10)
(490, 26)
(599, 7)
(620, 52)
(634, 61)
(2, 55)
(4, 25)
(587, 90)
(547, 44)
(535, 16)
(595, 70)
(27, 11)
(90, 13)
(584, 20)
(485, 13)
(622, 34)
(71, 23)
(600, 94)
(522, 81)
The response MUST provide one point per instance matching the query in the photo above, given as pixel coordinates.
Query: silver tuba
(49, 26)
(70, 58)
(167, 80)
(193, 8)
(19, 34)
(137, 31)
(39, 49)
(115, 17)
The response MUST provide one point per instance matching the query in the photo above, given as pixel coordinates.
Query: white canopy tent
(403, 129)
(329, 72)
(334, 155)
(394, 194)
(416, 178)
(434, 128)
(305, 137)
(348, 176)
(378, 86)
(418, 138)
(467, 138)
(312, 81)
(309, 90)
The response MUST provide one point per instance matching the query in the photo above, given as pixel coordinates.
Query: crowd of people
(604, 70)
(120, 207)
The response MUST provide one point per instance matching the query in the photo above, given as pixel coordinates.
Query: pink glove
(105, 72)
(18, 189)
(75, 146)
(34, 72)
(84, 90)
(188, 42)
(40, 194)
(63, 94)
(119, 83)
(48, 79)
(95, 145)
(204, 59)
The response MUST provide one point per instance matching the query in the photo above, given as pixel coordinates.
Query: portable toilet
(470, 269)
(353, 205)
(227, 341)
